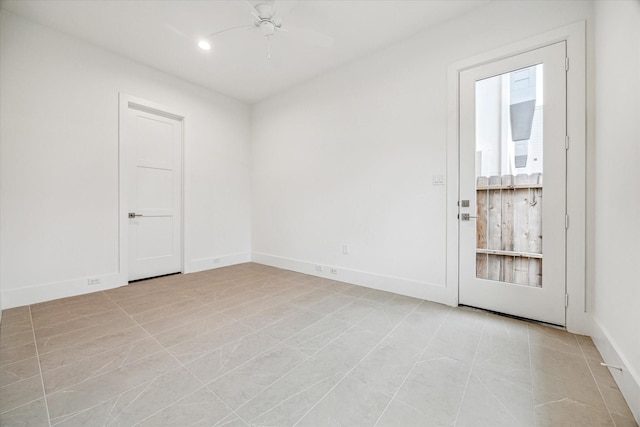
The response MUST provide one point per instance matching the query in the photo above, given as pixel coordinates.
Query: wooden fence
(509, 229)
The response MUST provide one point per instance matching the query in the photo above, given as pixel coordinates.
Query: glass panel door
(509, 176)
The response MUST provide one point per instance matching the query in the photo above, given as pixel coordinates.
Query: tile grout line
(584, 357)
(473, 362)
(35, 344)
(181, 365)
(299, 364)
(187, 369)
(358, 362)
(404, 380)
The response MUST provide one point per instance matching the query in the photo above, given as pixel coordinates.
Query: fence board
(509, 211)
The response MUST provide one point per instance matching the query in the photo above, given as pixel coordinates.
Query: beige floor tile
(622, 421)
(492, 401)
(18, 324)
(46, 331)
(245, 382)
(82, 350)
(269, 316)
(201, 408)
(32, 414)
(175, 320)
(569, 413)
(16, 340)
(552, 338)
(339, 407)
(192, 329)
(386, 367)
(401, 414)
(19, 393)
(97, 390)
(156, 395)
(558, 364)
(459, 335)
(403, 303)
(423, 389)
(291, 348)
(91, 367)
(349, 348)
(589, 348)
(16, 354)
(316, 336)
(191, 349)
(19, 371)
(549, 388)
(232, 421)
(292, 324)
(331, 304)
(71, 312)
(75, 338)
(16, 311)
(615, 401)
(289, 398)
(217, 363)
(174, 310)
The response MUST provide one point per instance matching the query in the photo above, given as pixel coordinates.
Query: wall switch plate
(437, 179)
(94, 281)
(345, 249)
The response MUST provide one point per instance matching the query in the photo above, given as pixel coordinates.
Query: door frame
(577, 319)
(124, 103)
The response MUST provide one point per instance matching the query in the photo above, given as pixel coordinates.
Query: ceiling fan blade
(307, 35)
(243, 27)
(252, 9)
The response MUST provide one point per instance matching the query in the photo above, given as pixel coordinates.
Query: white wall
(349, 157)
(615, 302)
(59, 163)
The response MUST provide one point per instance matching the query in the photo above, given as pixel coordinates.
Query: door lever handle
(466, 217)
(133, 214)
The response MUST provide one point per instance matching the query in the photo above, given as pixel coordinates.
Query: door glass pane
(509, 150)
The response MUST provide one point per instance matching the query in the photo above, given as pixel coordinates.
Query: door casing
(126, 102)
(578, 320)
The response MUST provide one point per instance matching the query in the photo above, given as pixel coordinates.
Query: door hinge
(566, 221)
(566, 300)
(566, 142)
(566, 64)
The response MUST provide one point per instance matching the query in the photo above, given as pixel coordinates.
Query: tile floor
(255, 345)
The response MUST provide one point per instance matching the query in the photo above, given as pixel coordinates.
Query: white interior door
(513, 185)
(154, 147)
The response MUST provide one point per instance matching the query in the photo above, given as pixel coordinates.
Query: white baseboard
(210, 263)
(398, 285)
(628, 379)
(42, 292)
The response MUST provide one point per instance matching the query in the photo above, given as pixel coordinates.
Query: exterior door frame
(126, 102)
(578, 320)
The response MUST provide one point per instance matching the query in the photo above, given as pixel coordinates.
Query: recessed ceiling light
(204, 45)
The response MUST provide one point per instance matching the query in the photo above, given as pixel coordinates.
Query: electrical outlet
(318, 268)
(94, 281)
(334, 270)
(216, 260)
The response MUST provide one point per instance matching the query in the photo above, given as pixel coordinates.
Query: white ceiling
(164, 34)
